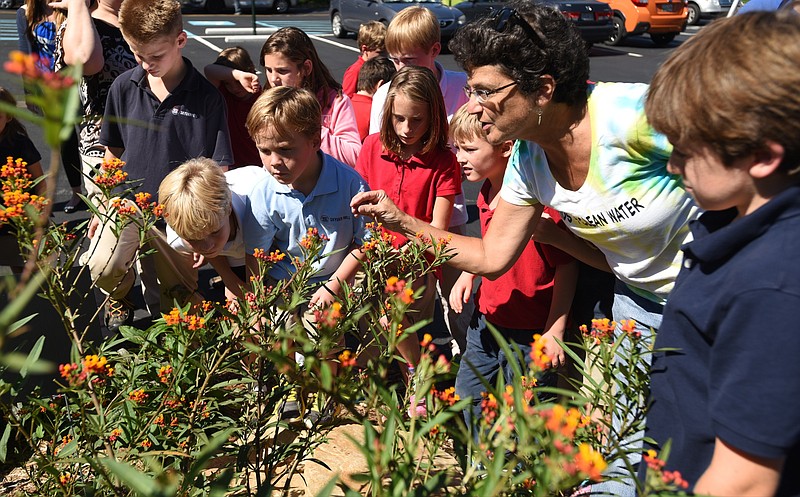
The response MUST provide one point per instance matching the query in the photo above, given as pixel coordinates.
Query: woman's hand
(377, 205)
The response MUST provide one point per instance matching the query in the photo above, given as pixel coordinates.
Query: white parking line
(204, 41)
(334, 43)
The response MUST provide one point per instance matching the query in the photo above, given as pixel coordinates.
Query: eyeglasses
(508, 16)
(483, 95)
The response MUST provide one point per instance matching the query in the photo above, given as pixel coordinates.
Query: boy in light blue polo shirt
(306, 189)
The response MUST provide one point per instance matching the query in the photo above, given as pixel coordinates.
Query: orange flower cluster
(447, 396)
(564, 421)
(668, 477)
(489, 408)
(588, 462)
(273, 257)
(111, 174)
(628, 326)
(65, 479)
(146, 443)
(142, 199)
(311, 238)
(123, 208)
(397, 287)
(164, 372)
(540, 359)
(29, 66)
(16, 183)
(64, 441)
(90, 365)
(139, 396)
(347, 359)
(329, 317)
(175, 318)
(602, 329)
(115, 434)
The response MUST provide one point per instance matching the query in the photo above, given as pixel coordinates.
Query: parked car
(348, 15)
(10, 4)
(591, 17)
(705, 9)
(217, 6)
(662, 19)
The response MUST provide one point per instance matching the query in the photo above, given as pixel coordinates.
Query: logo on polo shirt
(178, 111)
(333, 219)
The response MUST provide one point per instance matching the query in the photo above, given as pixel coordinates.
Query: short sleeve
(449, 179)
(518, 181)
(257, 227)
(110, 131)
(754, 367)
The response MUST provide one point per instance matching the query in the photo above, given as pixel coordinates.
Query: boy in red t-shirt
(370, 43)
(372, 75)
(534, 296)
(234, 75)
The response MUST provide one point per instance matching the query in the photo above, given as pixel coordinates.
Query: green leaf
(20, 323)
(17, 304)
(203, 456)
(4, 442)
(16, 361)
(33, 357)
(132, 477)
(328, 488)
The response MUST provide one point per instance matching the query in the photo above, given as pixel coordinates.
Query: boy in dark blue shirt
(728, 393)
(158, 115)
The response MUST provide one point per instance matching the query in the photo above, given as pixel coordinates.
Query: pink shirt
(340, 137)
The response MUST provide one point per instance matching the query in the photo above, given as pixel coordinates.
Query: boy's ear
(317, 141)
(506, 147)
(435, 50)
(767, 160)
(182, 39)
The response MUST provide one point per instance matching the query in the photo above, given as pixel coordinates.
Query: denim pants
(484, 359)
(647, 314)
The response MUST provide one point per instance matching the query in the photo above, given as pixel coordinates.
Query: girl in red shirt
(411, 161)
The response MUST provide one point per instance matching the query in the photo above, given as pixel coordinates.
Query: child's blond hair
(465, 127)
(144, 21)
(287, 111)
(196, 198)
(411, 29)
(372, 35)
(418, 84)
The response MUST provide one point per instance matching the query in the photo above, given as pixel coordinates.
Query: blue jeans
(484, 359)
(647, 314)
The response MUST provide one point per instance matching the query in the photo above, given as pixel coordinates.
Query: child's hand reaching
(553, 350)
(199, 260)
(461, 292)
(325, 295)
(248, 80)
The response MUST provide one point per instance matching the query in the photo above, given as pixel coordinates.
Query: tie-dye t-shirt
(630, 207)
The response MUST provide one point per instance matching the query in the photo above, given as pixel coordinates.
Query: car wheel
(7, 4)
(662, 39)
(215, 6)
(618, 34)
(280, 6)
(692, 14)
(336, 26)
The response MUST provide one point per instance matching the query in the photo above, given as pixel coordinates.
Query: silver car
(348, 15)
(217, 6)
(705, 9)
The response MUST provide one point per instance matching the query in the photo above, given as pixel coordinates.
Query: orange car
(662, 19)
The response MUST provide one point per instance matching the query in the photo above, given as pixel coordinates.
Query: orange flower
(173, 318)
(540, 359)
(195, 323)
(590, 462)
(115, 434)
(147, 443)
(164, 373)
(65, 479)
(139, 396)
(329, 317)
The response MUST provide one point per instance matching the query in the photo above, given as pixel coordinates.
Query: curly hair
(560, 51)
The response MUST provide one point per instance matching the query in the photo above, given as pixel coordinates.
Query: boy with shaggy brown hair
(370, 41)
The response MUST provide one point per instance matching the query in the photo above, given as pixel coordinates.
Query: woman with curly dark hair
(584, 149)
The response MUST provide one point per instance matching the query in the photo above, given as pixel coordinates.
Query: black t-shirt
(18, 146)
